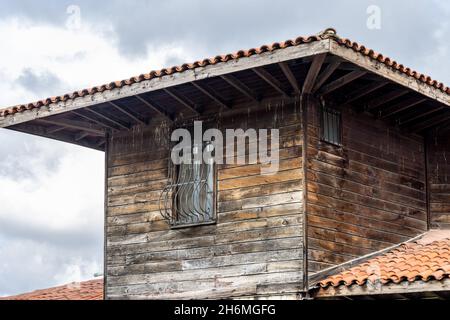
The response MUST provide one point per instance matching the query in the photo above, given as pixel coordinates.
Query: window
(188, 199)
(331, 126)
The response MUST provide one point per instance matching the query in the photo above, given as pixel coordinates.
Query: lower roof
(418, 266)
(87, 290)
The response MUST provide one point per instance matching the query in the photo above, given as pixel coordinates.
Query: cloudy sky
(51, 194)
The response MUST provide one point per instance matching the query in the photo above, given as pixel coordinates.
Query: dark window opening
(331, 126)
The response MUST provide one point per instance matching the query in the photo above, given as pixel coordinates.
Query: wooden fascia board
(266, 58)
(173, 80)
(384, 71)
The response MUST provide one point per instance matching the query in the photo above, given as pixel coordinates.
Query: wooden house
(363, 169)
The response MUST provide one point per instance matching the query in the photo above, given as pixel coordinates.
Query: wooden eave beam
(363, 91)
(403, 121)
(271, 80)
(342, 81)
(380, 101)
(41, 131)
(152, 106)
(325, 75)
(444, 295)
(211, 94)
(81, 136)
(100, 123)
(443, 128)
(290, 76)
(434, 121)
(129, 114)
(100, 143)
(295, 52)
(400, 107)
(176, 96)
(101, 115)
(71, 124)
(241, 87)
(56, 129)
(313, 73)
(385, 71)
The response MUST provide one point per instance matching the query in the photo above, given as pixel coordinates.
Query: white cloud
(51, 213)
(51, 199)
(81, 58)
(51, 194)
(62, 197)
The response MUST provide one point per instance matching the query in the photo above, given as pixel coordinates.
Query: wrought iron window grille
(331, 126)
(189, 197)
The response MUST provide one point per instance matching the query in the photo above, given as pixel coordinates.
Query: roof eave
(369, 289)
(254, 61)
(381, 69)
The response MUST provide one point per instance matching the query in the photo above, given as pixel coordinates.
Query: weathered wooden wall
(364, 196)
(439, 177)
(256, 247)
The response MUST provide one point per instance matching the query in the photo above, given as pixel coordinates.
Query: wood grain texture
(439, 181)
(364, 196)
(254, 250)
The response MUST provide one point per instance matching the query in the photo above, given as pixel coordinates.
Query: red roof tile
(87, 290)
(327, 34)
(419, 260)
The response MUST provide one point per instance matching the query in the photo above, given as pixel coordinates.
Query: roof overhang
(332, 66)
(200, 73)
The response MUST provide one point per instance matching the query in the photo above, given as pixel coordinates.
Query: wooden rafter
(443, 128)
(182, 100)
(290, 76)
(100, 143)
(71, 124)
(255, 61)
(325, 75)
(271, 80)
(380, 101)
(313, 73)
(237, 84)
(130, 114)
(405, 120)
(211, 94)
(400, 107)
(56, 129)
(385, 71)
(107, 118)
(433, 121)
(155, 108)
(81, 136)
(340, 82)
(365, 90)
(100, 123)
(39, 130)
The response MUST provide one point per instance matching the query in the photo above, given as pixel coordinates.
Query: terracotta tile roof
(426, 259)
(87, 290)
(327, 34)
